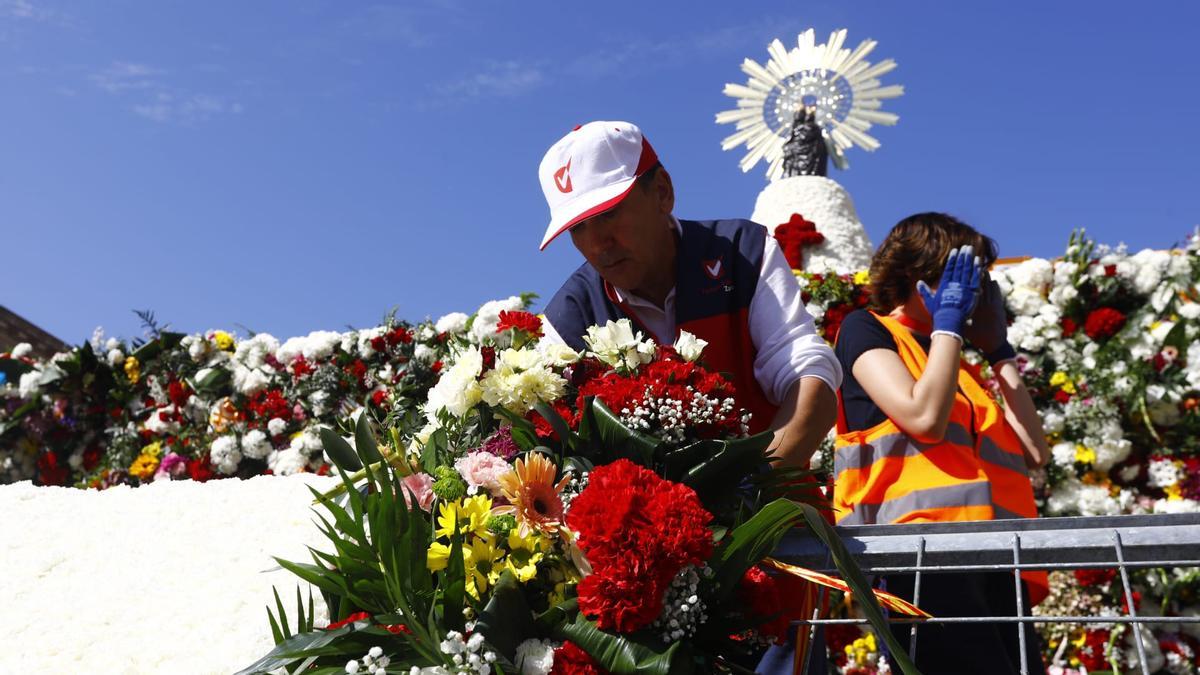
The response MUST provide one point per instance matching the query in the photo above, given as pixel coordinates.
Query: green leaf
(550, 620)
(364, 439)
(627, 654)
(294, 649)
(214, 381)
(283, 622)
(858, 585)
(506, 621)
(557, 423)
(158, 345)
(454, 592)
(339, 451)
(620, 439)
(750, 542)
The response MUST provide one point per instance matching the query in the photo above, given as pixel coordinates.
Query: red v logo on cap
(713, 268)
(564, 186)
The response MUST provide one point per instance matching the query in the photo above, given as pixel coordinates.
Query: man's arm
(805, 416)
(794, 366)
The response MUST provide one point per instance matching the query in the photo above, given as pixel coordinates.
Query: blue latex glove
(956, 295)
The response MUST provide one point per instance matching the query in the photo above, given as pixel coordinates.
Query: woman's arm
(1022, 415)
(921, 408)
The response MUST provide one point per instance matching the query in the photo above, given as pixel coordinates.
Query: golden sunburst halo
(838, 81)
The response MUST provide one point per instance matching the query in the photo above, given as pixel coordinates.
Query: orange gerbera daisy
(534, 496)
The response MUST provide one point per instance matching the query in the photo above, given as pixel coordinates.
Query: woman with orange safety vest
(920, 438)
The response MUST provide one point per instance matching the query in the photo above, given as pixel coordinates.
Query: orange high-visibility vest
(975, 472)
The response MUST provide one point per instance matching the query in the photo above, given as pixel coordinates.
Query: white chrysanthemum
(454, 322)
(1053, 420)
(314, 346)
(520, 380)
(253, 353)
(488, 317)
(1150, 268)
(617, 345)
(424, 354)
(364, 340)
(689, 346)
(1110, 451)
(1162, 473)
(196, 346)
(1063, 455)
(276, 426)
(1035, 274)
(307, 442)
(535, 657)
(286, 462)
(1062, 295)
(1064, 272)
(255, 444)
(115, 358)
(458, 389)
(250, 381)
(224, 454)
(1025, 301)
(1072, 497)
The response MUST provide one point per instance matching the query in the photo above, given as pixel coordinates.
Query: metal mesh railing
(1121, 542)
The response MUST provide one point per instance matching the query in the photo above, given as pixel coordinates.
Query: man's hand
(805, 416)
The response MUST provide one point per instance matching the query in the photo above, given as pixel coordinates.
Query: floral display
(556, 512)
(208, 405)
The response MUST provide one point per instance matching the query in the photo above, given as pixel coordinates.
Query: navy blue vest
(717, 270)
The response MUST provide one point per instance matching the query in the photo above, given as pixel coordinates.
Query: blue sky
(294, 166)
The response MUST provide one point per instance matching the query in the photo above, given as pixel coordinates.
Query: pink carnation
(421, 486)
(482, 470)
(172, 466)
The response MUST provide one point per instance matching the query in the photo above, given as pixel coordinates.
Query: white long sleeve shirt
(787, 346)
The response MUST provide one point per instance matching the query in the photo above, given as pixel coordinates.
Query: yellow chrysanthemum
(154, 449)
(524, 553)
(1174, 492)
(223, 340)
(1085, 454)
(133, 369)
(483, 563)
(862, 278)
(1058, 378)
(144, 466)
(470, 515)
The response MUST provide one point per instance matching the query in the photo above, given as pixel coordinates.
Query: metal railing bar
(1021, 619)
(1006, 567)
(1016, 548)
(912, 635)
(1137, 633)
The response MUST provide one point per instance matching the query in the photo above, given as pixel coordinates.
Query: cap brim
(600, 200)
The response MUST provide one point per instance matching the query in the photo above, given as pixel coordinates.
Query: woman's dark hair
(916, 250)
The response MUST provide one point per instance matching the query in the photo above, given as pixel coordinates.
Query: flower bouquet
(558, 512)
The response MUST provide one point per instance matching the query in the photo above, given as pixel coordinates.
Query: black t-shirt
(861, 332)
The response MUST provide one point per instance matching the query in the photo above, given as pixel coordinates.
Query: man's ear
(664, 191)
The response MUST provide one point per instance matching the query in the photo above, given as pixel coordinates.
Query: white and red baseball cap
(590, 170)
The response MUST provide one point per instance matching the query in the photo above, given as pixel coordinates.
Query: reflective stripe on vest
(976, 471)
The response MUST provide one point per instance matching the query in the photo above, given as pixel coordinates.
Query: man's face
(631, 242)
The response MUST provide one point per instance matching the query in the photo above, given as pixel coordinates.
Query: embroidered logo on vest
(713, 269)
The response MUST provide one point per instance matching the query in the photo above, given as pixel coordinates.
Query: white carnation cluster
(316, 345)
(683, 611)
(1074, 497)
(251, 373)
(617, 345)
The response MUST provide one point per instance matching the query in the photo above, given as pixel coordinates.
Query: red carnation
(760, 596)
(1103, 323)
(638, 531)
(199, 468)
(1069, 326)
(1110, 270)
(831, 323)
(178, 393)
(399, 335)
(489, 359)
(1062, 396)
(569, 659)
(1091, 655)
(378, 343)
(528, 323)
(1096, 576)
(794, 236)
(436, 366)
(301, 367)
(50, 471)
(379, 397)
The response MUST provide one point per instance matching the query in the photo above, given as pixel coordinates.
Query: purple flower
(502, 444)
(172, 466)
